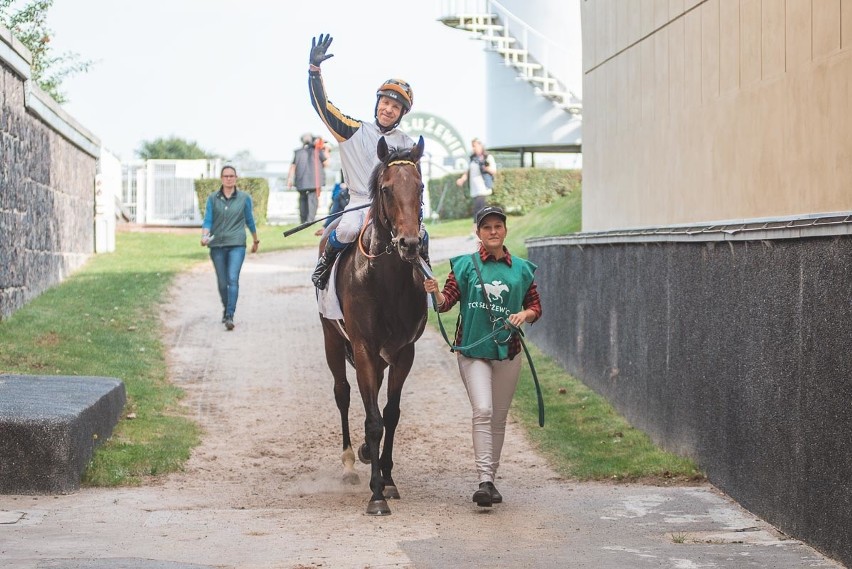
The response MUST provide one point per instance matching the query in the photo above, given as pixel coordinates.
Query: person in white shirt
(481, 171)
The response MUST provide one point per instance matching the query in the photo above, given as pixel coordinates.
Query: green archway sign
(436, 129)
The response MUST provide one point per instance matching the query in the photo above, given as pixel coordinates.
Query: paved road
(263, 490)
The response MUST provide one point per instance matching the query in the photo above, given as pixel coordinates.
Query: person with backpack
(480, 174)
(307, 175)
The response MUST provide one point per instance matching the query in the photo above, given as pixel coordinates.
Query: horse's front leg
(396, 379)
(367, 371)
(335, 356)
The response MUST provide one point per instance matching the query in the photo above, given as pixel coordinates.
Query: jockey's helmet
(399, 91)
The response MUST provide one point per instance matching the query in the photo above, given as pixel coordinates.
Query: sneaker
(229, 323)
(482, 497)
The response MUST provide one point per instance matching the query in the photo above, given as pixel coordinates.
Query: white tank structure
(534, 75)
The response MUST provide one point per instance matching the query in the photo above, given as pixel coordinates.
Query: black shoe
(496, 497)
(224, 316)
(324, 264)
(229, 323)
(482, 497)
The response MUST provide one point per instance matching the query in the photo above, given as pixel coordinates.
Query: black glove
(319, 48)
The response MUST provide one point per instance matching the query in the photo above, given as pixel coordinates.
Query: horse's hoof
(364, 454)
(391, 493)
(378, 508)
(351, 478)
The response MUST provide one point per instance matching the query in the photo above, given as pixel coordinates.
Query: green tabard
(506, 288)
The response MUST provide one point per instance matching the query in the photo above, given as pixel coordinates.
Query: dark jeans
(228, 261)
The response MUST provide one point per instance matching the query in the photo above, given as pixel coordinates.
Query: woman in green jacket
(227, 214)
(493, 288)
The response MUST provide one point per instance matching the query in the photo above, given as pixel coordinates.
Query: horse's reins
(506, 326)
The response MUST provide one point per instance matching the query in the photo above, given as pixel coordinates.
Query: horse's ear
(382, 149)
(417, 151)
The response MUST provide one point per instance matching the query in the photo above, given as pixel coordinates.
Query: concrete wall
(700, 110)
(47, 174)
(734, 353)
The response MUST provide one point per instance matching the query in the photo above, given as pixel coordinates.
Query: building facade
(706, 110)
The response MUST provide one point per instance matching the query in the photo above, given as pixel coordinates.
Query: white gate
(170, 192)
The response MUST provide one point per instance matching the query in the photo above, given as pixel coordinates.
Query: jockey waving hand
(357, 141)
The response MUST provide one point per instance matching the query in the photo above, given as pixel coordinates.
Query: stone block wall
(47, 175)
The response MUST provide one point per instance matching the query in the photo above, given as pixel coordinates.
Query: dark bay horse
(384, 310)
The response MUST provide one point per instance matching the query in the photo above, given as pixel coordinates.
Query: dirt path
(263, 490)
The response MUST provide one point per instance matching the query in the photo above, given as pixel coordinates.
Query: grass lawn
(103, 321)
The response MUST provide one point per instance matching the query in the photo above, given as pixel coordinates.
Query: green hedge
(258, 188)
(516, 190)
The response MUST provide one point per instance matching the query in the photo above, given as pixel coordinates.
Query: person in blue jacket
(227, 214)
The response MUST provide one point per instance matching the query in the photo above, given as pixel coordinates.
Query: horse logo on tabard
(495, 290)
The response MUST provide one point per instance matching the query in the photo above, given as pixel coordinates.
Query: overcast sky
(232, 74)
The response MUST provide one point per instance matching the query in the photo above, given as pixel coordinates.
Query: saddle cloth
(329, 304)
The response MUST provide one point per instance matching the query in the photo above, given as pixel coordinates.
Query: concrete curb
(49, 427)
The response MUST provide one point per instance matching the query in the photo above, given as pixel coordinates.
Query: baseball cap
(486, 211)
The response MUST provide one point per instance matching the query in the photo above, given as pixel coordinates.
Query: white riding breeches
(351, 221)
(490, 386)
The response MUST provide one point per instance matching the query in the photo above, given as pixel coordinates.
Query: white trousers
(351, 221)
(490, 386)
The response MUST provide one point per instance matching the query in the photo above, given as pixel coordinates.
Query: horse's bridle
(384, 221)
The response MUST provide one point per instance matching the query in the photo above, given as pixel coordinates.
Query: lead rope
(506, 326)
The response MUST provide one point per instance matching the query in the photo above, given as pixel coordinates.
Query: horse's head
(397, 194)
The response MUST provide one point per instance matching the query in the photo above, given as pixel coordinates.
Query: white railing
(531, 52)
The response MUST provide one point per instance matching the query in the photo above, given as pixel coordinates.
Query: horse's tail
(350, 357)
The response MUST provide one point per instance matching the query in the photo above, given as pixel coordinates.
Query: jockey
(357, 142)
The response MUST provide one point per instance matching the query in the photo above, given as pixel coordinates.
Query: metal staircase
(509, 36)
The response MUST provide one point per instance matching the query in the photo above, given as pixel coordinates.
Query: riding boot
(324, 264)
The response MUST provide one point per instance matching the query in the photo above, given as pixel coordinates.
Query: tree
(172, 148)
(29, 25)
